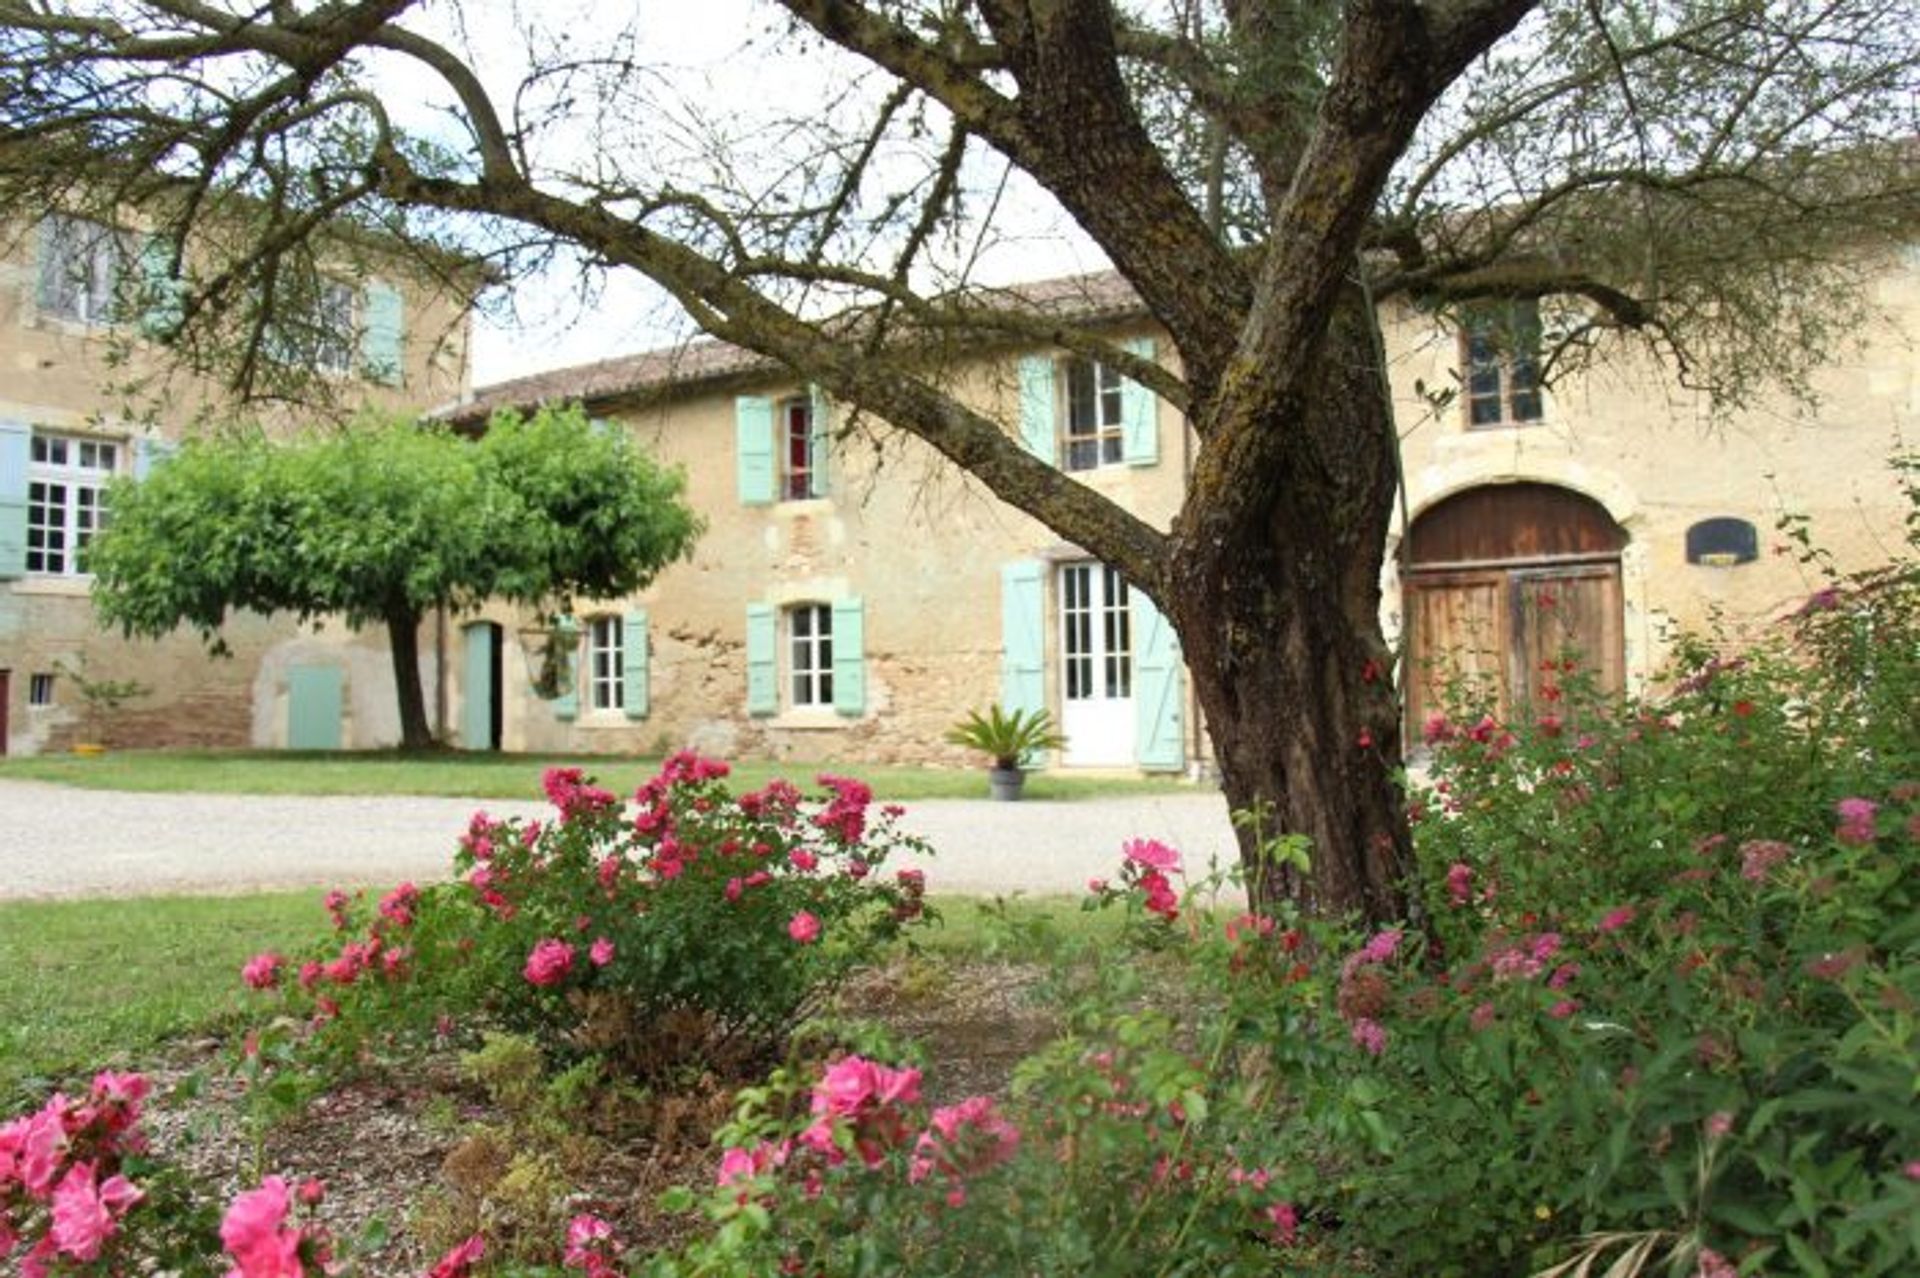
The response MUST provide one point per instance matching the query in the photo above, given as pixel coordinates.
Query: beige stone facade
(926, 552)
(64, 376)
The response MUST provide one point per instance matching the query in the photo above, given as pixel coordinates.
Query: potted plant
(1006, 737)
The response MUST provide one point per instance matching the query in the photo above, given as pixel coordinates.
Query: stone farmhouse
(854, 593)
(86, 396)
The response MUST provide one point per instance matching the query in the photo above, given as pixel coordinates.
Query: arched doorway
(1505, 583)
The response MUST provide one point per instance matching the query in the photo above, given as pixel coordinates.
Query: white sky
(734, 60)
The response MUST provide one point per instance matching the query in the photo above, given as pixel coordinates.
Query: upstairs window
(606, 663)
(1501, 353)
(1095, 415)
(799, 471)
(66, 501)
(334, 328)
(82, 267)
(810, 655)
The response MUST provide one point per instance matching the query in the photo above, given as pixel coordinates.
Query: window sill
(809, 720)
(71, 587)
(799, 506)
(606, 719)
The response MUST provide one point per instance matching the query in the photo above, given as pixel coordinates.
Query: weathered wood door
(1508, 585)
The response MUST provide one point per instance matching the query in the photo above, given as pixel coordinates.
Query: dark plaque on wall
(1722, 542)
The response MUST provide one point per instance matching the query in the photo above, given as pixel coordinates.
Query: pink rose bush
(742, 908)
(64, 1200)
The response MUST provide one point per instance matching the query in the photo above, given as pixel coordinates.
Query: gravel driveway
(57, 841)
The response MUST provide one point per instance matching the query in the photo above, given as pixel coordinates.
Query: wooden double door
(1511, 588)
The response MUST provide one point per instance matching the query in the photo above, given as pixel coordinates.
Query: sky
(732, 62)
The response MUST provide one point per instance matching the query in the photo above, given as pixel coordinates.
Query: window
(40, 689)
(810, 655)
(1502, 355)
(1095, 632)
(1095, 408)
(66, 501)
(606, 660)
(799, 463)
(333, 323)
(82, 265)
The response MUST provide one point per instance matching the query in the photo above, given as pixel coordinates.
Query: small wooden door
(1508, 585)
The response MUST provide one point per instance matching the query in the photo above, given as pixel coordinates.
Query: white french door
(1096, 677)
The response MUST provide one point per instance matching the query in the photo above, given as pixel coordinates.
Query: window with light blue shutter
(16, 453)
(763, 675)
(753, 448)
(1139, 425)
(849, 657)
(1037, 407)
(634, 692)
(1159, 689)
(383, 336)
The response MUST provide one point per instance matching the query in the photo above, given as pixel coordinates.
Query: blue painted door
(316, 698)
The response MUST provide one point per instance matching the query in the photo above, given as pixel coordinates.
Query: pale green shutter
(1037, 407)
(1159, 698)
(566, 706)
(315, 700)
(753, 435)
(819, 443)
(633, 664)
(849, 657)
(382, 338)
(148, 453)
(763, 692)
(1139, 425)
(476, 688)
(162, 301)
(1023, 635)
(16, 454)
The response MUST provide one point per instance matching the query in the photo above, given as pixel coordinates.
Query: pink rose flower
(1152, 854)
(549, 962)
(254, 1233)
(804, 928)
(1617, 919)
(85, 1214)
(262, 971)
(601, 952)
(458, 1262)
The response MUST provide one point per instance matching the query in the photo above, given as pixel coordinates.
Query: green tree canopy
(384, 522)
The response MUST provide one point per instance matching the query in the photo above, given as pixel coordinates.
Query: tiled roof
(1104, 295)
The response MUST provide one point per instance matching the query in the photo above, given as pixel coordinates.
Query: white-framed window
(66, 500)
(40, 689)
(1500, 349)
(1096, 639)
(799, 466)
(606, 663)
(83, 265)
(334, 328)
(810, 655)
(1095, 408)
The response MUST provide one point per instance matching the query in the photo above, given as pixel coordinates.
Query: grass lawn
(489, 776)
(87, 984)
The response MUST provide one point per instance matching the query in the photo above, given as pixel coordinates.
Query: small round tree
(383, 522)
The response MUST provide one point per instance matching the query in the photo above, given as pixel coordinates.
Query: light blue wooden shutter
(763, 692)
(162, 298)
(1139, 427)
(633, 664)
(476, 688)
(1159, 699)
(1023, 640)
(16, 453)
(849, 657)
(148, 453)
(819, 443)
(753, 435)
(315, 700)
(1037, 407)
(383, 337)
(566, 706)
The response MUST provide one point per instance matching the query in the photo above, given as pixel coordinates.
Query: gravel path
(56, 841)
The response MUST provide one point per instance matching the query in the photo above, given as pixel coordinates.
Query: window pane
(1080, 396)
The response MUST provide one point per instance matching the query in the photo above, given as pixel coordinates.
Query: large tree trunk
(1279, 620)
(403, 640)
